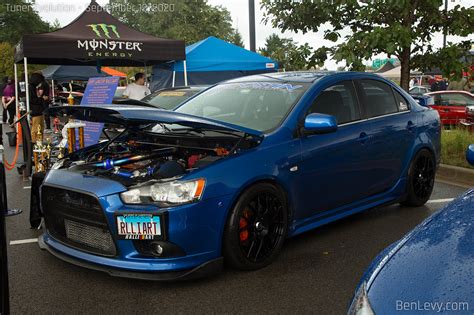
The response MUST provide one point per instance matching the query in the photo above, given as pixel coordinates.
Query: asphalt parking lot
(315, 273)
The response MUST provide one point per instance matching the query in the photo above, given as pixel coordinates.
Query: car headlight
(173, 192)
(360, 304)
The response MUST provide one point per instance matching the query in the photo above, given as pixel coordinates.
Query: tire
(420, 182)
(256, 228)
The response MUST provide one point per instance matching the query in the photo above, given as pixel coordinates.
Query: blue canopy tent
(209, 61)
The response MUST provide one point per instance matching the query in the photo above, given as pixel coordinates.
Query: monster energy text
(110, 45)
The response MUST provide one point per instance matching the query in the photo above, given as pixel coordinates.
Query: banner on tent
(98, 91)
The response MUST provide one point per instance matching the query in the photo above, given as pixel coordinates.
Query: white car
(418, 90)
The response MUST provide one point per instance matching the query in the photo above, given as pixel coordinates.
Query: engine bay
(133, 157)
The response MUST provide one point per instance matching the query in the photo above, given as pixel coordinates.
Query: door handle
(363, 138)
(411, 126)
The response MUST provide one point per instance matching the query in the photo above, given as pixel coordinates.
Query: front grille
(77, 220)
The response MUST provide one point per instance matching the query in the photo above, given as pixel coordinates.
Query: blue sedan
(234, 171)
(429, 270)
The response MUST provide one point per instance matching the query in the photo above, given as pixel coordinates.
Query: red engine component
(193, 159)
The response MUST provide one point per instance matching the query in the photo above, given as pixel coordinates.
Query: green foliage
(401, 28)
(289, 55)
(236, 39)
(453, 146)
(17, 18)
(6, 56)
(55, 26)
(191, 21)
(452, 60)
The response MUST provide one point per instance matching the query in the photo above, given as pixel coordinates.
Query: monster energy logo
(98, 29)
(105, 47)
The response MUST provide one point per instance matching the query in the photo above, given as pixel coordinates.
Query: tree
(17, 18)
(289, 55)
(6, 55)
(401, 28)
(55, 26)
(191, 21)
(236, 39)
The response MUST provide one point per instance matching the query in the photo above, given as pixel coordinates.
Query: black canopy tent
(99, 39)
(97, 36)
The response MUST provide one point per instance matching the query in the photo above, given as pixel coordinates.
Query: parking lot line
(440, 200)
(26, 241)
(27, 187)
(452, 183)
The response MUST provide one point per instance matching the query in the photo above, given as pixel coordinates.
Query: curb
(461, 175)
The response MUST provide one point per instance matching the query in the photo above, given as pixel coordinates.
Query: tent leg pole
(146, 74)
(185, 74)
(52, 89)
(25, 64)
(174, 78)
(17, 110)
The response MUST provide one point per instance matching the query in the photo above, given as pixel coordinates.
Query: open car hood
(138, 115)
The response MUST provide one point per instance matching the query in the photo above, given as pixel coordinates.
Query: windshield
(256, 105)
(169, 99)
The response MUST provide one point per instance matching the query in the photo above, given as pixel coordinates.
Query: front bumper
(195, 228)
(204, 270)
(468, 122)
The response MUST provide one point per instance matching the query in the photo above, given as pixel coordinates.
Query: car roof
(450, 92)
(296, 76)
(292, 76)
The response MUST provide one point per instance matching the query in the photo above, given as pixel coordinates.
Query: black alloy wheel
(256, 228)
(421, 179)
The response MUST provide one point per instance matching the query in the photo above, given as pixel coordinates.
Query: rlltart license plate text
(138, 226)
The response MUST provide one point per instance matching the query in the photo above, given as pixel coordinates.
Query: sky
(66, 11)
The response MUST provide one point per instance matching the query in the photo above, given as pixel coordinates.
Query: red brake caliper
(244, 233)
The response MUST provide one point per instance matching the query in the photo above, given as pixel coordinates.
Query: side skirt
(394, 195)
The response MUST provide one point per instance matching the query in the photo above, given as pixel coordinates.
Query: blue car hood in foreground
(138, 115)
(434, 263)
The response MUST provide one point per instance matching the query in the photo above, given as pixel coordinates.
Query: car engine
(135, 157)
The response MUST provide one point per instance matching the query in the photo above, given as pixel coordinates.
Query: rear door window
(378, 98)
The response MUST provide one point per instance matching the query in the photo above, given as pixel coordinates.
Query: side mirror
(470, 154)
(320, 123)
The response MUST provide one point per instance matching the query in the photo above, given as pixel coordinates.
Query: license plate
(138, 226)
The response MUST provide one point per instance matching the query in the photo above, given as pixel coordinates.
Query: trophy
(71, 128)
(61, 153)
(71, 134)
(70, 98)
(39, 152)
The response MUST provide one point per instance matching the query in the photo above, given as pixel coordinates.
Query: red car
(451, 105)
